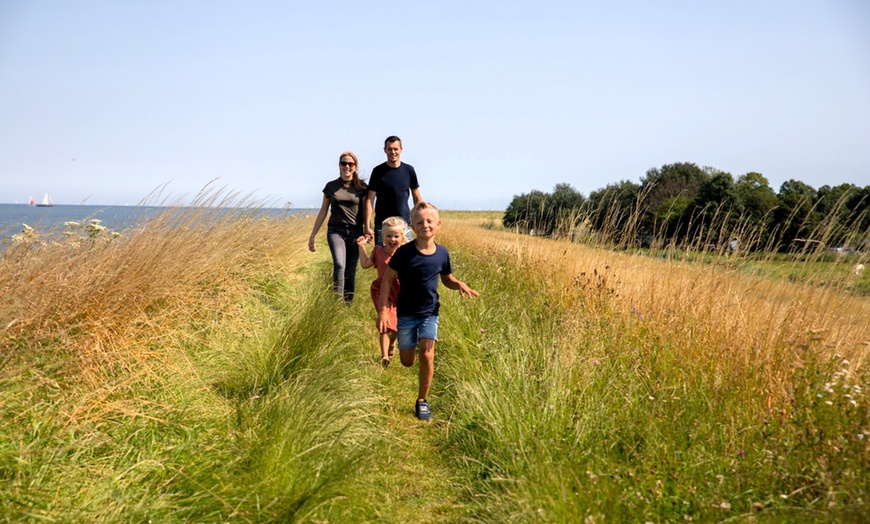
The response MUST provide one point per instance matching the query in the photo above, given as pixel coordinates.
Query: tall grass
(199, 369)
(175, 373)
(606, 384)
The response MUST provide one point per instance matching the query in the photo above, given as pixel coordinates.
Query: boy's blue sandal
(422, 410)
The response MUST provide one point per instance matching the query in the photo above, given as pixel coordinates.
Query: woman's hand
(311, 243)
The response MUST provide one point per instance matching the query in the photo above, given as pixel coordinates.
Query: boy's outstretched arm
(450, 282)
(386, 284)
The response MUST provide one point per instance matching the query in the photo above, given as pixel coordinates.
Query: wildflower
(725, 505)
(740, 453)
(482, 330)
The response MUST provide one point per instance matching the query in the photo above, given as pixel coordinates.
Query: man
(390, 186)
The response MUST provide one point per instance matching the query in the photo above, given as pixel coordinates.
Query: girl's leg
(392, 348)
(384, 339)
(427, 367)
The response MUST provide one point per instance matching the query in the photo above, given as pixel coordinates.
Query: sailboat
(46, 201)
(32, 201)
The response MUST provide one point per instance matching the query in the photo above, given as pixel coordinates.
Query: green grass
(550, 405)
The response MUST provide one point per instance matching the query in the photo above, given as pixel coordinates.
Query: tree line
(700, 207)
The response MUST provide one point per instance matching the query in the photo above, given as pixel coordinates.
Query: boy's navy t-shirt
(419, 275)
(392, 186)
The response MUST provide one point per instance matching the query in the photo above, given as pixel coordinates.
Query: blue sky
(102, 102)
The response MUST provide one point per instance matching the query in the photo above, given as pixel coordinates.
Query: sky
(107, 102)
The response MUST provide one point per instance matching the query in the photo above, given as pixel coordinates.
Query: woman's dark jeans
(345, 255)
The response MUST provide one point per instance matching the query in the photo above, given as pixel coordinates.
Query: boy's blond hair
(424, 205)
(396, 224)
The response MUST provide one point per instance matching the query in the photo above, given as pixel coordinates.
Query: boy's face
(393, 238)
(425, 223)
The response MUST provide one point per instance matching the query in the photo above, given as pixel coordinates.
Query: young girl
(393, 233)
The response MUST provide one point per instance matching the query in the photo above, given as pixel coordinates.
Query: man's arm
(367, 214)
(415, 194)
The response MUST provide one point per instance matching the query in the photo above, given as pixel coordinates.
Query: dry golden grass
(716, 317)
(116, 307)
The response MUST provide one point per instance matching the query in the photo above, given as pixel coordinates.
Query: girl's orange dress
(381, 258)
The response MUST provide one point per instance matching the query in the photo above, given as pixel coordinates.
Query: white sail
(46, 201)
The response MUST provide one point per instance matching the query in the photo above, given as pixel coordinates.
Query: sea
(13, 217)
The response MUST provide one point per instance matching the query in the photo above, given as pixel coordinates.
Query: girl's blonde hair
(396, 224)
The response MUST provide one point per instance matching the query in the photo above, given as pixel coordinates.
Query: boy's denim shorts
(411, 329)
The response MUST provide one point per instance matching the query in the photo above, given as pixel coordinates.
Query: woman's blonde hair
(396, 224)
(357, 182)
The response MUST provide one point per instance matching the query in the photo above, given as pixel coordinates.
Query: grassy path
(411, 481)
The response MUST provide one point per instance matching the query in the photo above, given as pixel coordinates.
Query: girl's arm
(324, 207)
(386, 284)
(450, 282)
(365, 261)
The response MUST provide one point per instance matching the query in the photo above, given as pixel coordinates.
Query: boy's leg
(406, 338)
(408, 356)
(427, 367)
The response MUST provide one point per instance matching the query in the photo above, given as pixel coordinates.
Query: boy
(418, 265)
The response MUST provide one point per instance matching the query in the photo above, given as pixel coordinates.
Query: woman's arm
(324, 207)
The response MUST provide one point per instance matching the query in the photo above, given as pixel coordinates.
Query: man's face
(393, 151)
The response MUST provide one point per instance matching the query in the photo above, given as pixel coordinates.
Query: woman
(346, 197)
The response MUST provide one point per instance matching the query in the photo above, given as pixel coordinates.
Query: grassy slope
(582, 384)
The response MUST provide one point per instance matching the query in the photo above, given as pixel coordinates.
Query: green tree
(716, 209)
(796, 216)
(668, 192)
(613, 211)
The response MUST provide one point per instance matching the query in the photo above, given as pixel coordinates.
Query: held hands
(363, 240)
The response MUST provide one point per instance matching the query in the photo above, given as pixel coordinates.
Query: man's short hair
(392, 138)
